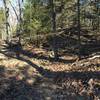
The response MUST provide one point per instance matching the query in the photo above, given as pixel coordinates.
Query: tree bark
(53, 15)
(79, 27)
(6, 19)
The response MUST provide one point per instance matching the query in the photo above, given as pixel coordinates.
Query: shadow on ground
(47, 85)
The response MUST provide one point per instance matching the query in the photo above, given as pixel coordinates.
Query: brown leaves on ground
(79, 80)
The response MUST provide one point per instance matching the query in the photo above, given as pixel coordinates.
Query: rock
(91, 82)
(30, 81)
(74, 83)
(48, 98)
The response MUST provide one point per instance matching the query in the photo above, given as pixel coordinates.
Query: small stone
(48, 98)
(91, 82)
(74, 83)
(30, 81)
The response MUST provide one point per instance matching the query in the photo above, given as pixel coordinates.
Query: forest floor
(38, 77)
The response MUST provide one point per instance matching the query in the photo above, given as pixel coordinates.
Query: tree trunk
(20, 20)
(6, 20)
(53, 15)
(79, 27)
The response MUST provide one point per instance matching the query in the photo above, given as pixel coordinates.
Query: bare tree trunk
(6, 19)
(20, 19)
(53, 15)
(19, 46)
(98, 12)
(79, 27)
